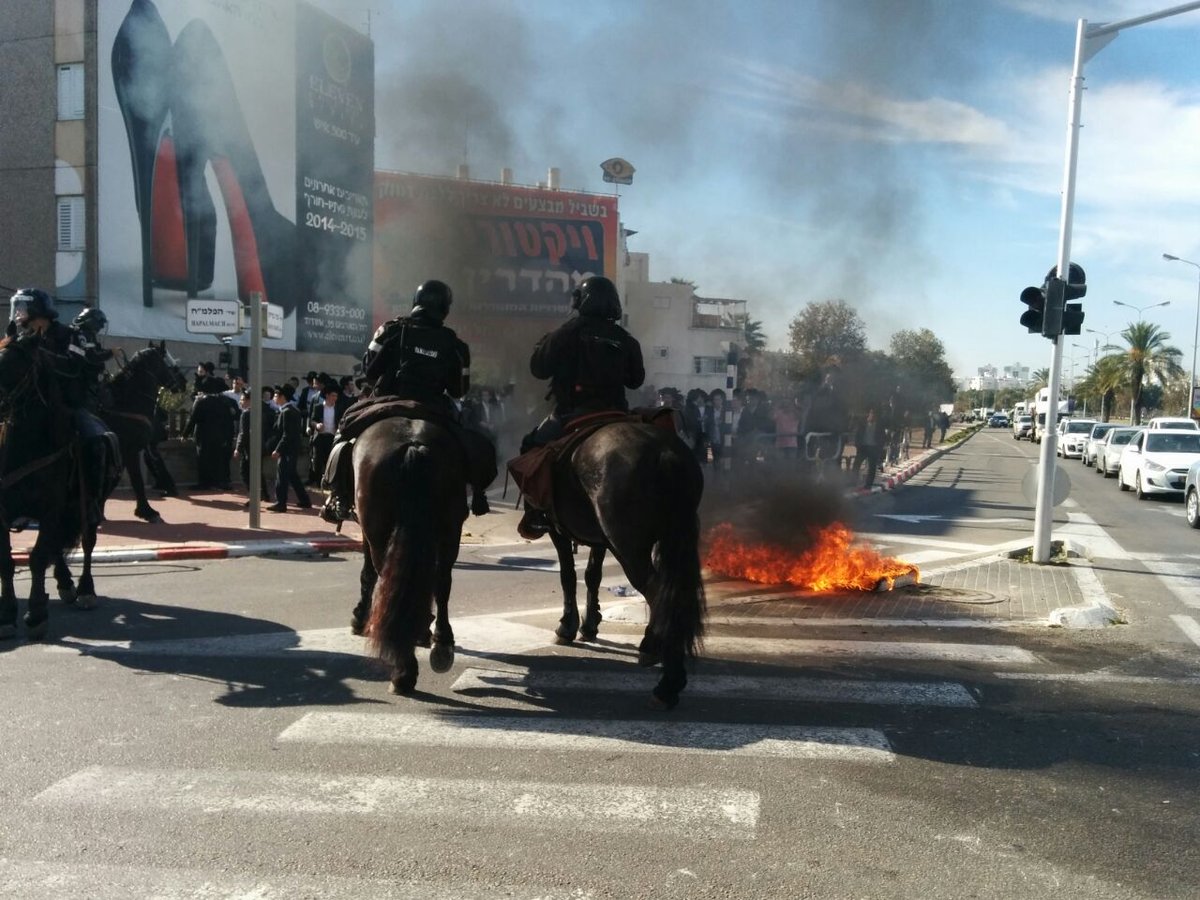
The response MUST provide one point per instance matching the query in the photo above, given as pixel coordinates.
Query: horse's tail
(404, 590)
(678, 610)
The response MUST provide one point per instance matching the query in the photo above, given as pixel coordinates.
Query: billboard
(512, 255)
(235, 156)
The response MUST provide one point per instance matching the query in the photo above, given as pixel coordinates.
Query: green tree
(752, 335)
(1041, 379)
(825, 331)
(920, 358)
(1146, 354)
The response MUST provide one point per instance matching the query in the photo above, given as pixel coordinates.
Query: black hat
(208, 367)
(286, 389)
(310, 376)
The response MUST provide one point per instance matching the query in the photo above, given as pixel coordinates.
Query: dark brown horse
(131, 415)
(410, 492)
(634, 489)
(39, 476)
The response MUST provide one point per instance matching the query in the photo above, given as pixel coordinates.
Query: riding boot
(479, 501)
(534, 524)
(339, 479)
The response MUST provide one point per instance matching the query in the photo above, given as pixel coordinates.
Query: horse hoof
(8, 631)
(37, 631)
(402, 687)
(357, 627)
(664, 700)
(85, 601)
(426, 641)
(67, 595)
(564, 640)
(441, 657)
(648, 658)
(148, 515)
(588, 637)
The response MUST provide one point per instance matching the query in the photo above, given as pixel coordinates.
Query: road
(213, 730)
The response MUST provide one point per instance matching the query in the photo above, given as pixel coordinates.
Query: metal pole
(1044, 512)
(1195, 341)
(254, 488)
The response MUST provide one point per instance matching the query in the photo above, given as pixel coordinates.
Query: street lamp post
(1086, 353)
(1142, 309)
(1195, 335)
(1141, 313)
(1107, 335)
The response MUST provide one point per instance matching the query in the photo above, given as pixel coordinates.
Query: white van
(1175, 422)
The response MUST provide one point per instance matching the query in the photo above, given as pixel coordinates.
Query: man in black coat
(242, 450)
(211, 425)
(285, 450)
(323, 424)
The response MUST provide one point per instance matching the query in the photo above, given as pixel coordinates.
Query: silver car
(1191, 499)
(1095, 439)
(1108, 455)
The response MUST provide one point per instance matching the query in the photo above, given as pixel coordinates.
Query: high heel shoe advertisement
(236, 158)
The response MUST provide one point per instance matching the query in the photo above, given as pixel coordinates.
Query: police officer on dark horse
(414, 357)
(79, 361)
(590, 361)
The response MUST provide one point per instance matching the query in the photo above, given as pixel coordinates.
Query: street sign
(617, 170)
(214, 317)
(272, 321)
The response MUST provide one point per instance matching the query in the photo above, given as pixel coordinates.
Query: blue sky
(903, 155)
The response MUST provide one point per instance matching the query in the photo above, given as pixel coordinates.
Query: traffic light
(1072, 317)
(1053, 320)
(1035, 299)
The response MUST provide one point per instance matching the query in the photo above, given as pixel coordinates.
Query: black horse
(634, 489)
(131, 415)
(40, 477)
(410, 492)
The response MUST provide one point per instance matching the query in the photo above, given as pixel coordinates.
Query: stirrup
(534, 524)
(479, 504)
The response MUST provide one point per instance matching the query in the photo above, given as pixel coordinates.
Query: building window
(70, 91)
(70, 223)
(661, 352)
(708, 365)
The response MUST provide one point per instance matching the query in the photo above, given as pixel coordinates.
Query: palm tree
(753, 335)
(1041, 379)
(1107, 377)
(1146, 354)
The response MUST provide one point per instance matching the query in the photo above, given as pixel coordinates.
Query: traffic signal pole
(1088, 42)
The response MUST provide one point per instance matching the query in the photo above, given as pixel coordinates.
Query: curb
(898, 478)
(171, 552)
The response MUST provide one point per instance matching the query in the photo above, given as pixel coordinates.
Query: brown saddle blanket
(533, 471)
(479, 451)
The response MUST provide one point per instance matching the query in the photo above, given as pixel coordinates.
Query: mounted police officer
(590, 361)
(90, 324)
(416, 357)
(33, 312)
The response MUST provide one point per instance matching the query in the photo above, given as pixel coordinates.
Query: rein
(30, 467)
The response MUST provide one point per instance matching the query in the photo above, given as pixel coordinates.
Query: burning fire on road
(829, 563)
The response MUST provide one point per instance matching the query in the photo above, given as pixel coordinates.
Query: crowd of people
(810, 432)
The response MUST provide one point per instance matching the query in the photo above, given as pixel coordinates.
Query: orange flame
(830, 564)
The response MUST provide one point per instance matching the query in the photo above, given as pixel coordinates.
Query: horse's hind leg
(62, 577)
(591, 579)
(366, 587)
(37, 617)
(133, 465)
(404, 672)
(441, 654)
(8, 594)
(673, 680)
(86, 594)
(568, 625)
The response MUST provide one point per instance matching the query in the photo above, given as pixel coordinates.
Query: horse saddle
(533, 470)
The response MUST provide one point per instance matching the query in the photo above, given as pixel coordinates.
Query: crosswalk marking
(39, 880)
(822, 690)
(588, 735)
(926, 650)
(725, 813)
(1182, 579)
(1189, 627)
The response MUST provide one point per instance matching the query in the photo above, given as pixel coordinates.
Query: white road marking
(1096, 678)
(1083, 529)
(1189, 627)
(974, 653)
(488, 803)
(484, 634)
(792, 688)
(1181, 579)
(920, 541)
(37, 880)
(527, 733)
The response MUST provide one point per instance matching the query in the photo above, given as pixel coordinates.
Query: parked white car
(1022, 426)
(1156, 462)
(1072, 436)
(1108, 456)
(1160, 422)
(1094, 439)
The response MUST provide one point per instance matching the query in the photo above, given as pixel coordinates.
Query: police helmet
(31, 303)
(91, 321)
(433, 299)
(597, 297)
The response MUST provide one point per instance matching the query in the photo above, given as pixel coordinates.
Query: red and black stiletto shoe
(210, 129)
(142, 66)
